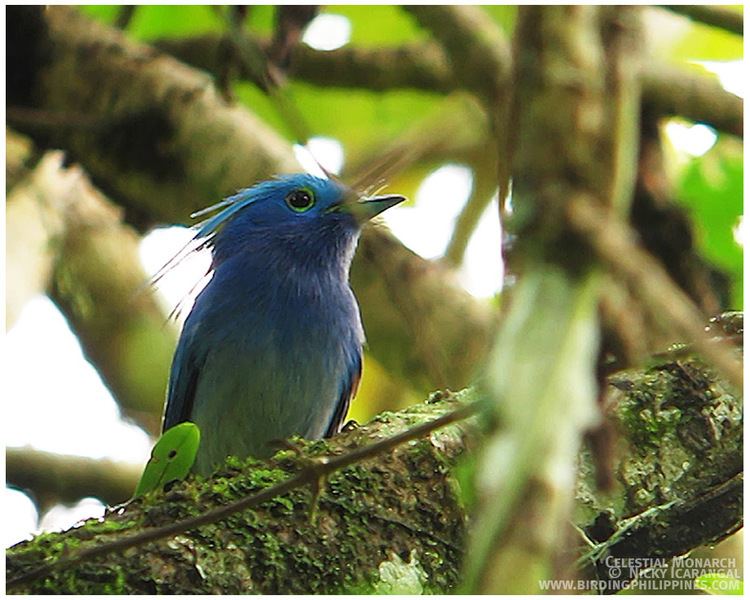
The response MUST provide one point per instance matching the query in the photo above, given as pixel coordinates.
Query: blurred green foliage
(701, 42)
(711, 186)
(383, 25)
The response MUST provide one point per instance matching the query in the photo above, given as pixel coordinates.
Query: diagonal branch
(316, 469)
(715, 16)
(67, 240)
(717, 510)
(680, 92)
(615, 244)
(476, 47)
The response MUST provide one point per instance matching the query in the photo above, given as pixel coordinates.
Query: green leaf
(171, 459)
(719, 583)
(711, 187)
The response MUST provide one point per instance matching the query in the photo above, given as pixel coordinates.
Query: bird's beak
(366, 209)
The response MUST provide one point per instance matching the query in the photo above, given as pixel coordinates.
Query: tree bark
(66, 239)
(396, 523)
(668, 90)
(53, 478)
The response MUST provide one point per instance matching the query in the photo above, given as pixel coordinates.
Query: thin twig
(125, 16)
(469, 217)
(309, 475)
(714, 508)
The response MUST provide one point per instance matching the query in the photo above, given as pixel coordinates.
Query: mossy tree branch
(476, 47)
(402, 511)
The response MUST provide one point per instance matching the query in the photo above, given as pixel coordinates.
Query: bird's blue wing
(348, 392)
(183, 381)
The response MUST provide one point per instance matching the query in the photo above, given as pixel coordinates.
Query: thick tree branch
(680, 92)
(443, 349)
(716, 511)
(477, 49)
(19, 157)
(173, 142)
(66, 239)
(667, 90)
(98, 283)
(34, 228)
(53, 478)
(353, 532)
(682, 436)
(422, 66)
(678, 473)
(176, 146)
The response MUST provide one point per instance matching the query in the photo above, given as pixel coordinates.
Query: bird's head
(299, 206)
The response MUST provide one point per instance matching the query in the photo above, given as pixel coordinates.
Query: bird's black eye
(300, 200)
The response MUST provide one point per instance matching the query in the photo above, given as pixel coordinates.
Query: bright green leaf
(171, 459)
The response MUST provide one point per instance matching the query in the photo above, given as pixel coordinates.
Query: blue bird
(273, 344)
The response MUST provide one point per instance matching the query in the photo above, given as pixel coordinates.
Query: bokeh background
(57, 402)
